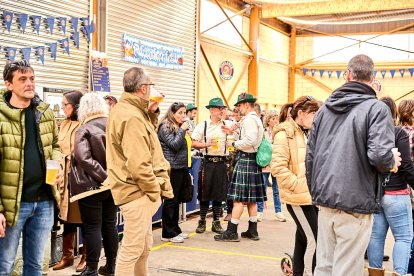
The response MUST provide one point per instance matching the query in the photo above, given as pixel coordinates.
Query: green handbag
(264, 153)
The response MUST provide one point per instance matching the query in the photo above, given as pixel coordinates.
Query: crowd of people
(343, 168)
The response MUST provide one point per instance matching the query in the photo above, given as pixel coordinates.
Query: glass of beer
(52, 169)
(230, 138)
(155, 95)
(215, 141)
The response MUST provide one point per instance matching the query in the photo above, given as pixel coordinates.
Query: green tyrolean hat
(215, 102)
(190, 107)
(245, 98)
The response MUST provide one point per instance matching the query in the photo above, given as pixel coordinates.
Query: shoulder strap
(205, 135)
(225, 143)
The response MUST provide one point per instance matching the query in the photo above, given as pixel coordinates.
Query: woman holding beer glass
(88, 174)
(176, 145)
(69, 212)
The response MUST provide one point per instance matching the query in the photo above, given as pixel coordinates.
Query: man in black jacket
(349, 144)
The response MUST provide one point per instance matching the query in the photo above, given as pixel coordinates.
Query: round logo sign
(226, 70)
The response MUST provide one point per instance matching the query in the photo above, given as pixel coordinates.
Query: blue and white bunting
(383, 72)
(74, 21)
(65, 45)
(375, 74)
(26, 53)
(52, 50)
(23, 21)
(36, 21)
(338, 73)
(304, 70)
(402, 71)
(321, 72)
(8, 19)
(62, 24)
(313, 71)
(11, 53)
(330, 73)
(75, 38)
(411, 70)
(50, 24)
(392, 71)
(40, 52)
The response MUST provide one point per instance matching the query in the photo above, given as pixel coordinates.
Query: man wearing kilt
(213, 177)
(247, 181)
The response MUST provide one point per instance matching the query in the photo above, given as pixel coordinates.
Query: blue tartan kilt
(247, 182)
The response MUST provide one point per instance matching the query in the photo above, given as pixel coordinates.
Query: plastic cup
(52, 169)
(155, 95)
(215, 145)
(394, 150)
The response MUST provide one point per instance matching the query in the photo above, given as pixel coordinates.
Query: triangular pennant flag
(26, 53)
(411, 70)
(86, 23)
(23, 21)
(50, 23)
(11, 53)
(392, 71)
(8, 19)
(402, 71)
(36, 21)
(375, 74)
(40, 52)
(330, 73)
(74, 21)
(85, 32)
(62, 24)
(52, 49)
(313, 72)
(304, 70)
(321, 72)
(75, 38)
(338, 74)
(92, 27)
(65, 45)
(383, 72)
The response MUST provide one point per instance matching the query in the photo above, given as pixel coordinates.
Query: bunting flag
(50, 23)
(52, 50)
(338, 74)
(75, 38)
(85, 32)
(40, 52)
(65, 45)
(74, 21)
(330, 73)
(8, 19)
(86, 23)
(304, 70)
(11, 53)
(26, 53)
(383, 72)
(36, 20)
(62, 24)
(375, 74)
(92, 27)
(313, 72)
(411, 70)
(402, 71)
(392, 71)
(321, 72)
(23, 21)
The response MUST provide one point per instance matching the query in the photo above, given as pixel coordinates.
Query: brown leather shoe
(67, 256)
(82, 263)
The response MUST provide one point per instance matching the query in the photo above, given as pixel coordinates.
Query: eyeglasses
(308, 98)
(16, 64)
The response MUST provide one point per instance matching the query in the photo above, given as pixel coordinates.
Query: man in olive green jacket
(137, 170)
(28, 137)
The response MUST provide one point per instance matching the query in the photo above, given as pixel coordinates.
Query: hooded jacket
(12, 140)
(174, 146)
(349, 145)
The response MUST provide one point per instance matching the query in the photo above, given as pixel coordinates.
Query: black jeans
(98, 213)
(171, 207)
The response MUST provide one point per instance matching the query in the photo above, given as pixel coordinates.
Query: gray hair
(91, 104)
(269, 115)
(361, 68)
(134, 77)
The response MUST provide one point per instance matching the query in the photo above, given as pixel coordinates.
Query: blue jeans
(35, 223)
(396, 214)
(276, 199)
(411, 262)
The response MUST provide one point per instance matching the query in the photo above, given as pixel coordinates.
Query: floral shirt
(410, 132)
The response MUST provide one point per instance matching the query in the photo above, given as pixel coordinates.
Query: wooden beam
(318, 83)
(225, 20)
(239, 79)
(253, 84)
(292, 61)
(405, 95)
(214, 75)
(274, 9)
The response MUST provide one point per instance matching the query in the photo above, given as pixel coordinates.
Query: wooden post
(292, 62)
(254, 45)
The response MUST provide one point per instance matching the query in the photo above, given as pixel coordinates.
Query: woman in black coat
(172, 132)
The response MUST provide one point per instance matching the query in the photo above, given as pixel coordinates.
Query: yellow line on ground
(223, 252)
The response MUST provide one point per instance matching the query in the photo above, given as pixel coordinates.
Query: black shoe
(251, 233)
(230, 235)
(108, 269)
(201, 228)
(216, 227)
(90, 270)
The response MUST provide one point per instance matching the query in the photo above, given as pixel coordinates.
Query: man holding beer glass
(29, 138)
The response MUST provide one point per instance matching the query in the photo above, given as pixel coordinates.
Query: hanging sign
(226, 70)
(100, 72)
(152, 54)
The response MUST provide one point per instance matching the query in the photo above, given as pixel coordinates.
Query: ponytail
(285, 112)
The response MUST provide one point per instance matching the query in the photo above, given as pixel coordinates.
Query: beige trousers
(137, 241)
(342, 240)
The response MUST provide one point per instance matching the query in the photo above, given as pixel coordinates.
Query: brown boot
(82, 263)
(376, 271)
(396, 274)
(67, 255)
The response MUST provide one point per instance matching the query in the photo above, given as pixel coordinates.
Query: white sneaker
(184, 235)
(280, 217)
(176, 239)
(259, 216)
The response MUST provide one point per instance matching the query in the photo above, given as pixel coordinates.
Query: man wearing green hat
(213, 179)
(191, 112)
(247, 182)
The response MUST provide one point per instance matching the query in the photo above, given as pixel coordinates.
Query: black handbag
(188, 189)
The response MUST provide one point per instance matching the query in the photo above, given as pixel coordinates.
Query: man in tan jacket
(137, 170)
